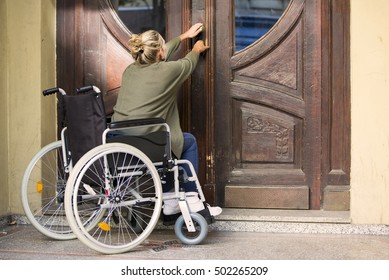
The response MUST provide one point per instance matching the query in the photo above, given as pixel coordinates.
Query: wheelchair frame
(108, 225)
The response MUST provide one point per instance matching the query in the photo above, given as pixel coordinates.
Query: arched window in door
(141, 15)
(254, 18)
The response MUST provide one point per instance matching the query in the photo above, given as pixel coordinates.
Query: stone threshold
(291, 216)
(292, 221)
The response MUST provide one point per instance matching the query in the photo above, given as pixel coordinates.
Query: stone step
(290, 216)
(292, 221)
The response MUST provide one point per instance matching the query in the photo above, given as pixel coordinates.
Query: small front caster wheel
(191, 238)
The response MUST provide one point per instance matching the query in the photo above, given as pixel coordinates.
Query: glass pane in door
(141, 15)
(254, 18)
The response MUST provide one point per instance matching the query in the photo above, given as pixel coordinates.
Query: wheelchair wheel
(42, 192)
(135, 219)
(113, 198)
(191, 238)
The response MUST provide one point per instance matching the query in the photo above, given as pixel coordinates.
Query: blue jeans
(190, 153)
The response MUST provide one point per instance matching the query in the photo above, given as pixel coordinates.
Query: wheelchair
(111, 198)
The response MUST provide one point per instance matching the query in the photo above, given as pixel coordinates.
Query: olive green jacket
(149, 91)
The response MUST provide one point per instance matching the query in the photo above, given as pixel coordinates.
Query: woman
(149, 89)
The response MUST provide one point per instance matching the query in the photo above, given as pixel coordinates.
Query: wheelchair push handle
(50, 91)
(88, 88)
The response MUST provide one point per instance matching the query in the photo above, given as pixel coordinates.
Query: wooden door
(92, 49)
(272, 121)
(278, 123)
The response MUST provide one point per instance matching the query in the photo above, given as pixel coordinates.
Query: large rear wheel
(43, 190)
(113, 198)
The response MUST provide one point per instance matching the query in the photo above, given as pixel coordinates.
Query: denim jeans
(190, 153)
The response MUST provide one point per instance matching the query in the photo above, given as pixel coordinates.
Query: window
(141, 15)
(254, 18)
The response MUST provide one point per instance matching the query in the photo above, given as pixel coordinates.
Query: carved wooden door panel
(269, 114)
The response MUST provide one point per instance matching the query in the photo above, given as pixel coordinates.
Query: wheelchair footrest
(207, 215)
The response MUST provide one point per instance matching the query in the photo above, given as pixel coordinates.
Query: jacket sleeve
(189, 62)
(172, 46)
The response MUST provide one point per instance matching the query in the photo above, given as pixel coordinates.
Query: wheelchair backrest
(85, 122)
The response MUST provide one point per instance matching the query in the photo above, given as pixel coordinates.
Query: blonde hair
(144, 47)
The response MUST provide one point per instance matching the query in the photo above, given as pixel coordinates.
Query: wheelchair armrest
(134, 123)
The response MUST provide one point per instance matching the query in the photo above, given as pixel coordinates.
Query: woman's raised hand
(193, 31)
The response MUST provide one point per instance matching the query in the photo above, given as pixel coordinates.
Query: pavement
(238, 234)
